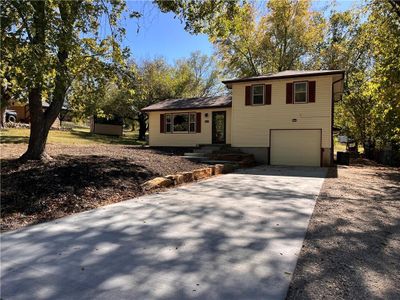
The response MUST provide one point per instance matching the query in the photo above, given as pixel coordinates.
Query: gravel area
(78, 178)
(352, 247)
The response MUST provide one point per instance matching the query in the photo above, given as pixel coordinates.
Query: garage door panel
(296, 147)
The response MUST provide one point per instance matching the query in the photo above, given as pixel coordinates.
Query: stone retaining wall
(185, 177)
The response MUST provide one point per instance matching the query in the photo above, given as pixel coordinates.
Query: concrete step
(207, 151)
(214, 162)
(194, 154)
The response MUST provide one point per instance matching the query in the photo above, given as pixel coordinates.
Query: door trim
(213, 127)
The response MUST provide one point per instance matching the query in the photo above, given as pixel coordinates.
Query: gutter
(263, 78)
(332, 117)
(186, 108)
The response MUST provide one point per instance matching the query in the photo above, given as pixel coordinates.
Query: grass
(75, 136)
(340, 147)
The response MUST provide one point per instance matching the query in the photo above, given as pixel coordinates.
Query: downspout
(332, 119)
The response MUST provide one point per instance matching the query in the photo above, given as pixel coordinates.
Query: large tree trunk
(3, 117)
(142, 126)
(4, 102)
(39, 132)
(41, 121)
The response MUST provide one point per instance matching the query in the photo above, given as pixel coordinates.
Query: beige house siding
(251, 124)
(186, 139)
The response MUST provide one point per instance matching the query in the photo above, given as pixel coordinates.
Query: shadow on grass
(13, 139)
(108, 139)
(79, 135)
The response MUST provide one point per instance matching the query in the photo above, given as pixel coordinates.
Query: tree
(202, 16)
(59, 39)
(195, 76)
(384, 32)
(10, 53)
(278, 40)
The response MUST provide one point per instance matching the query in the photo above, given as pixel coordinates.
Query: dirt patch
(78, 178)
(352, 246)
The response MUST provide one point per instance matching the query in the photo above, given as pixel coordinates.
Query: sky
(158, 34)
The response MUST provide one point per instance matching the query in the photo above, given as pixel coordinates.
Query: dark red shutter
(289, 93)
(198, 122)
(248, 95)
(267, 94)
(311, 91)
(162, 123)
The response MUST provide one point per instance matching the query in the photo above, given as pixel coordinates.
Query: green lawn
(75, 136)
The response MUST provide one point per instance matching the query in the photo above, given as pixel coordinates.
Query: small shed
(112, 125)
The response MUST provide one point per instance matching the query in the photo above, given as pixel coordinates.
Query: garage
(295, 147)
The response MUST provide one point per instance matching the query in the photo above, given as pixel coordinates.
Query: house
(23, 114)
(283, 118)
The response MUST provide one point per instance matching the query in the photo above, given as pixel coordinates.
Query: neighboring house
(112, 125)
(23, 114)
(283, 118)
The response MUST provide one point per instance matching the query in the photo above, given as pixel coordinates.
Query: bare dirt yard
(80, 177)
(352, 247)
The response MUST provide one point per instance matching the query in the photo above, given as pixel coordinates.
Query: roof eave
(187, 108)
(229, 82)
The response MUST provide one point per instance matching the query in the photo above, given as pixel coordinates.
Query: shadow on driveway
(235, 236)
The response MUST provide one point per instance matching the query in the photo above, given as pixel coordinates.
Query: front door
(219, 127)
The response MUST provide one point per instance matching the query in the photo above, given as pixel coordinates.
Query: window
(257, 94)
(180, 123)
(168, 123)
(192, 122)
(300, 92)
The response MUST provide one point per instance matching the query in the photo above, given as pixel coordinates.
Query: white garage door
(295, 147)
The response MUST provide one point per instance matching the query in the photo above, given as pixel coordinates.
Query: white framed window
(192, 122)
(180, 123)
(168, 123)
(257, 94)
(300, 92)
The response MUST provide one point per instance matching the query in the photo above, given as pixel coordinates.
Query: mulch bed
(78, 178)
(352, 246)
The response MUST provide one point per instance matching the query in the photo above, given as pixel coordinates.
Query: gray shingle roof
(285, 74)
(191, 103)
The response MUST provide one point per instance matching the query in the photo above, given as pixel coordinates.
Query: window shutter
(198, 122)
(311, 91)
(289, 93)
(248, 95)
(162, 123)
(267, 94)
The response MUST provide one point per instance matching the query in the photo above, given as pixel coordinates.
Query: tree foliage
(278, 40)
(54, 43)
(157, 80)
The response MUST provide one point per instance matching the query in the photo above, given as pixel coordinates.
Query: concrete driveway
(235, 236)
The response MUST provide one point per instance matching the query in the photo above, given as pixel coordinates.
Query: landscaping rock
(157, 182)
(177, 178)
(218, 169)
(187, 176)
(212, 170)
(202, 173)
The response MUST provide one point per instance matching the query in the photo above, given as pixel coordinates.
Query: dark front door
(219, 127)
